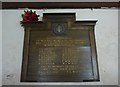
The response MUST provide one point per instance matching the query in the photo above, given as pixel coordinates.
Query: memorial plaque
(59, 49)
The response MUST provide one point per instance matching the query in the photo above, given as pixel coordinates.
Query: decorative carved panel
(59, 49)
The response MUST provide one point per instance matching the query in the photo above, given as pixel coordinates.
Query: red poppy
(30, 16)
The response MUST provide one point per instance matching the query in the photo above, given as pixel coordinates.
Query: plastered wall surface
(106, 32)
(0, 48)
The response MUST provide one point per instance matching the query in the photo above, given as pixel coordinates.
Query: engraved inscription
(50, 63)
(60, 42)
(60, 55)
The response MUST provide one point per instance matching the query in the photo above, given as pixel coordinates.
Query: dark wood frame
(49, 5)
(25, 54)
(28, 26)
(94, 54)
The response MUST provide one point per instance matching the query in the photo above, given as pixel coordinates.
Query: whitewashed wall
(106, 32)
(0, 48)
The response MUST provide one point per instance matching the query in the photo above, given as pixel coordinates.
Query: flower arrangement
(29, 16)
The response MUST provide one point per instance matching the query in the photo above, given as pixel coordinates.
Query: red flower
(30, 16)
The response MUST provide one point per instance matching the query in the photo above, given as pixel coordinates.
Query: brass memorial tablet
(59, 49)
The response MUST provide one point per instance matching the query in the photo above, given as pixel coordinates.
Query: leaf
(22, 15)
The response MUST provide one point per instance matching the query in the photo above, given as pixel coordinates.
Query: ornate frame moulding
(59, 49)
